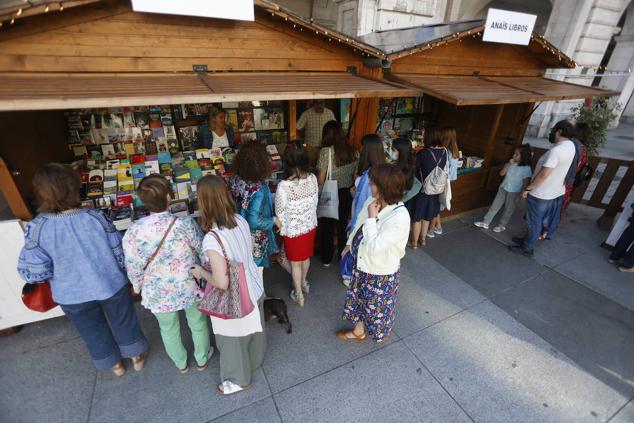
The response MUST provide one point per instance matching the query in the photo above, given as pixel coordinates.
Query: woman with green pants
(159, 251)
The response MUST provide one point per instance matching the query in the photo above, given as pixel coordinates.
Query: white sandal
(227, 388)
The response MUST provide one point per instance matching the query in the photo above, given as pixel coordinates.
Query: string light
(61, 7)
(12, 21)
(19, 12)
(46, 9)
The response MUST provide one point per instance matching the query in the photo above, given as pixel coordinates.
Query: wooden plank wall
(472, 55)
(91, 39)
(30, 140)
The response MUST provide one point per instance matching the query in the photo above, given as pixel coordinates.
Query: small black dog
(276, 307)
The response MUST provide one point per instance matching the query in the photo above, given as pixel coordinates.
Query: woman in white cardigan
(377, 244)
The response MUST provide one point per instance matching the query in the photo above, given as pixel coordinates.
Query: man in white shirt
(310, 125)
(545, 193)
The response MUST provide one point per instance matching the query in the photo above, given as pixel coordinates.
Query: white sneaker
(227, 388)
(437, 230)
(499, 228)
(482, 225)
(430, 234)
(346, 282)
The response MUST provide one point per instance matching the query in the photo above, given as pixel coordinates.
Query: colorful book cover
(108, 151)
(164, 157)
(95, 189)
(138, 171)
(109, 187)
(123, 200)
(110, 174)
(142, 119)
(152, 167)
(189, 155)
(124, 172)
(151, 147)
(178, 159)
(95, 176)
(161, 146)
(208, 172)
(79, 150)
(245, 121)
(231, 118)
(182, 190)
(203, 153)
(195, 174)
(181, 174)
(137, 158)
(204, 163)
(214, 153)
(165, 169)
(172, 146)
(191, 164)
(129, 148)
(188, 136)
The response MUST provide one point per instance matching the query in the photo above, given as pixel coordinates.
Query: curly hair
(252, 163)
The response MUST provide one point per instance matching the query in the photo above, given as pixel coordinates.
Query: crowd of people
(382, 208)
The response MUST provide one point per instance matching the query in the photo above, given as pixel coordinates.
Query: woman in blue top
(216, 134)
(79, 252)
(372, 154)
(517, 174)
(250, 190)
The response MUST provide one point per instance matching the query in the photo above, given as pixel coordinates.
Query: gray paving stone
(626, 415)
(51, 384)
(389, 385)
(312, 348)
(37, 335)
(428, 293)
(499, 371)
(451, 225)
(261, 411)
(593, 331)
(593, 271)
(481, 261)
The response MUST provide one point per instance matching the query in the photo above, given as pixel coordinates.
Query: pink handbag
(234, 302)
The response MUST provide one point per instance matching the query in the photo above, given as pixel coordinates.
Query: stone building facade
(597, 34)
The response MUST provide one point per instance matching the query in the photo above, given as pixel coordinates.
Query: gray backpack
(436, 182)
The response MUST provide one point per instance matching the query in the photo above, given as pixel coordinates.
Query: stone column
(622, 62)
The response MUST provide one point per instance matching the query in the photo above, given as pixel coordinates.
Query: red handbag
(38, 297)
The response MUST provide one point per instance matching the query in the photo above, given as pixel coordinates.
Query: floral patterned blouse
(167, 284)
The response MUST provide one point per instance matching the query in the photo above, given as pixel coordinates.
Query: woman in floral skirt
(377, 244)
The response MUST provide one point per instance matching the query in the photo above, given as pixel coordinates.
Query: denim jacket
(206, 139)
(79, 252)
(254, 203)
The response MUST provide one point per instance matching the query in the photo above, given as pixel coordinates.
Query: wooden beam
(292, 119)
(488, 155)
(12, 194)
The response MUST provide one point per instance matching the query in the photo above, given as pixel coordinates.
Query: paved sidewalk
(481, 334)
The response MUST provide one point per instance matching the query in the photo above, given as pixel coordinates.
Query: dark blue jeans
(541, 214)
(622, 250)
(109, 328)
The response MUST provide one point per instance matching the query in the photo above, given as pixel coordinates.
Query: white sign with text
(235, 9)
(507, 27)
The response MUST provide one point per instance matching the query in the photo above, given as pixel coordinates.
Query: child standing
(296, 209)
(517, 173)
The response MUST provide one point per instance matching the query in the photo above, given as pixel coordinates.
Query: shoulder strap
(222, 247)
(169, 228)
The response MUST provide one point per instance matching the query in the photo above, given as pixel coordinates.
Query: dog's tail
(289, 326)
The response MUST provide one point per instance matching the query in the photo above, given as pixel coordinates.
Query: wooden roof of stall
(71, 91)
(473, 90)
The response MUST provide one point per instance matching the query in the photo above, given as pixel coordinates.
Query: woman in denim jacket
(79, 252)
(251, 193)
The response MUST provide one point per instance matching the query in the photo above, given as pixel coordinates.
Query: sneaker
(326, 264)
(437, 230)
(612, 261)
(519, 250)
(346, 282)
(482, 225)
(626, 269)
(430, 234)
(499, 228)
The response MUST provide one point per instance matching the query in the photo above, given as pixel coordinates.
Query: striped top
(239, 246)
